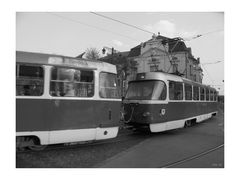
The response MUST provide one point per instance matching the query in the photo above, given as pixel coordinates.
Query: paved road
(165, 148)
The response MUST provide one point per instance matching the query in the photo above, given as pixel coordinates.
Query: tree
(92, 54)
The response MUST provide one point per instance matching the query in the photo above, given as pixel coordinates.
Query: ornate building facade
(160, 54)
(166, 55)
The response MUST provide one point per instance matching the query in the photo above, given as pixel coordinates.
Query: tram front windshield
(146, 90)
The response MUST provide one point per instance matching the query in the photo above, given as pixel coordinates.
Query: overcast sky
(72, 33)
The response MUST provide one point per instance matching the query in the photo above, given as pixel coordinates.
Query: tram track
(193, 157)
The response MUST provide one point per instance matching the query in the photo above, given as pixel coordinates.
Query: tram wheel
(188, 123)
(37, 147)
(20, 149)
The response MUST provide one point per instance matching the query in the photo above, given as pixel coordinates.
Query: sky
(70, 34)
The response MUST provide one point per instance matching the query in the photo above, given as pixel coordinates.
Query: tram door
(72, 106)
(110, 102)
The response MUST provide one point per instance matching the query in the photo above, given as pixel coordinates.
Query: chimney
(190, 50)
(198, 60)
(154, 36)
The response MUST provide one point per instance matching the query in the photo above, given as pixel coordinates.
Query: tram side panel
(107, 117)
(71, 114)
(31, 115)
(82, 114)
(159, 113)
(173, 113)
(107, 113)
(82, 120)
(184, 110)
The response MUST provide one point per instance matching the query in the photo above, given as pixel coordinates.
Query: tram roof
(166, 76)
(59, 60)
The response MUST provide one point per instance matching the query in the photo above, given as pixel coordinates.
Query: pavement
(165, 148)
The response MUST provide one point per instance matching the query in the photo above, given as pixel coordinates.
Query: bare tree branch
(92, 54)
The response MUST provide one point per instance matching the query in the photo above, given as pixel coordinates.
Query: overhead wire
(211, 63)
(95, 27)
(207, 74)
(133, 26)
(200, 35)
(127, 24)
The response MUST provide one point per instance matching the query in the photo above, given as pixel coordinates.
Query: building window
(195, 77)
(29, 80)
(190, 70)
(215, 95)
(188, 91)
(195, 93)
(153, 68)
(70, 82)
(108, 86)
(175, 68)
(175, 90)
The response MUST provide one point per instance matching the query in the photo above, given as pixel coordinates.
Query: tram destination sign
(68, 61)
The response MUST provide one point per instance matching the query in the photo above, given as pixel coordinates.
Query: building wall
(181, 61)
(155, 57)
(153, 44)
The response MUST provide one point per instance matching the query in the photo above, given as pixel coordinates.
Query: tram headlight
(146, 114)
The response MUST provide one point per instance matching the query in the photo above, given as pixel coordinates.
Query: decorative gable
(153, 52)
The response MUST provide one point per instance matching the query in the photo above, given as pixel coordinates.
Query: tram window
(188, 91)
(202, 94)
(211, 95)
(161, 91)
(108, 86)
(29, 80)
(215, 95)
(147, 90)
(195, 93)
(207, 94)
(175, 90)
(71, 82)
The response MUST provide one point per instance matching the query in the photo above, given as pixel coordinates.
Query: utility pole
(112, 55)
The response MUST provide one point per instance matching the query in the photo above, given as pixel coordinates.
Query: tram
(161, 102)
(64, 100)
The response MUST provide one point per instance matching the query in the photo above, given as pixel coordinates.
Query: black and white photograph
(102, 89)
(119, 90)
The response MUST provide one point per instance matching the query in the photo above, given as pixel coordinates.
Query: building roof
(174, 46)
(180, 46)
(136, 51)
(122, 54)
(119, 54)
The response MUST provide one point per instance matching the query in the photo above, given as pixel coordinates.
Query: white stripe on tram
(159, 127)
(74, 135)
